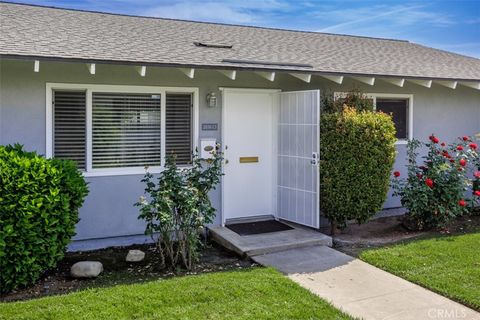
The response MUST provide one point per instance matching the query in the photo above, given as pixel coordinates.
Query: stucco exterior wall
(108, 210)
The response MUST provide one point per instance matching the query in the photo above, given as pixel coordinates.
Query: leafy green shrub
(353, 98)
(39, 202)
(178, 206)
(357, 153)
(434, 191)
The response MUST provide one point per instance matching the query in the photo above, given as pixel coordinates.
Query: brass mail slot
(248, 159)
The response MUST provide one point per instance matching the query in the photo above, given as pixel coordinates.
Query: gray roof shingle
(35, 31)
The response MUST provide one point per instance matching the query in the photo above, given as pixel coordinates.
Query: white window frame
(375, 96)
(89, 89)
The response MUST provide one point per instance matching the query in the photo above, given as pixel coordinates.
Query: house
(117, 93)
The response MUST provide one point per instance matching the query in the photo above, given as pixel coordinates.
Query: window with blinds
(126, 130)
(69, 133)
(178, 131)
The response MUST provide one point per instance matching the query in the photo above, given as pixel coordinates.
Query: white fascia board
(142, 70)
(423, 83)
(231, 74)
(367, 80)
(270, 76)
(302, 76)
(399, 82)
(471, 84)
(189, 72)
(91, 68)
(36, 66)
(447, 83)
(336, 79)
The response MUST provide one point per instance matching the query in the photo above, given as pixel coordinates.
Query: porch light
(212, 100)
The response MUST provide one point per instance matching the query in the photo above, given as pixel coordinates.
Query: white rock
(135, 256)
(86, 269)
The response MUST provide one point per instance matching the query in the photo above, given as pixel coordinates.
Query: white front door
(247, 130)
(271, 143)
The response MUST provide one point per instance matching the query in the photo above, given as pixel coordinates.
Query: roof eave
(223, 67)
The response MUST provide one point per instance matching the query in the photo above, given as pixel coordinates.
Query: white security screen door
(298, 142)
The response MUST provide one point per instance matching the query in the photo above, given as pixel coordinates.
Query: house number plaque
(209, 126)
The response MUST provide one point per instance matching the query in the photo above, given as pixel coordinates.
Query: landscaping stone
(86, 269)
(135, 256)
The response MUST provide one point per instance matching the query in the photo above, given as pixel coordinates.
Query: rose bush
(476, 179)
(177, 206)
(434, 192)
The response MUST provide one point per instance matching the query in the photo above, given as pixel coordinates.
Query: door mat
(258, 227)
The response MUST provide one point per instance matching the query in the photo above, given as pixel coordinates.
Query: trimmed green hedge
(357, 151)
(39, 203)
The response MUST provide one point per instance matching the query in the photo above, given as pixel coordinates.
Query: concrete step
(259, 244)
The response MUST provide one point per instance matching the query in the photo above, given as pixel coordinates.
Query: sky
(452, 25)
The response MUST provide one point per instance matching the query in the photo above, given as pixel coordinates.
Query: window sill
(120, 172)
(127, 171)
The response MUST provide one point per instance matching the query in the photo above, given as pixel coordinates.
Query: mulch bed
(356, 238)
(118, 271)
(390, 230)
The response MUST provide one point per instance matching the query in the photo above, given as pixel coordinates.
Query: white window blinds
(126, 130)
(69, 134)
(179, 127)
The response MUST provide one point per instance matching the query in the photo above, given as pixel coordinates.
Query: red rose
(477, 174)
(396, 174)
(452, 161)
(419, 176)
(463, 162)
(429, 182)
(462, 203)
(443, 144)
(434, 139)
(477, 193)
(459, 148)
(465, 138)
(473, 146)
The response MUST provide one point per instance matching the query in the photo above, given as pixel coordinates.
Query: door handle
(315, 157)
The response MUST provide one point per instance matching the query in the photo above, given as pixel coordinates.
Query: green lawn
(449, 265)
(257, 293)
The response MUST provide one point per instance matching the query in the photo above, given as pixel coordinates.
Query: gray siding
(108, 210)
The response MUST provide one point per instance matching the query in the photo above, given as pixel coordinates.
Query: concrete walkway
(360, 289)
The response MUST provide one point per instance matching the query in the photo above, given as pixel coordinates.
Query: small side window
(398, 108)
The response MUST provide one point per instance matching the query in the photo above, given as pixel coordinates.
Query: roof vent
(212, 45)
